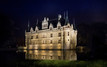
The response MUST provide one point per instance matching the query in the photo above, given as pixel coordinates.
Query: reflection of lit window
(50, 57)
(36, 56)
(43, 57)
(59, 57)
(59, 34)
(31, 37)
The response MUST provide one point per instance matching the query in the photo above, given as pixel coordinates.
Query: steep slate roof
(54, 22)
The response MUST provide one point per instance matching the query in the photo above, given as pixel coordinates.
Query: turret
(31, 29)
(36, 29)
(51, 26)
(66, 18)
(68, 24)
(59, 24)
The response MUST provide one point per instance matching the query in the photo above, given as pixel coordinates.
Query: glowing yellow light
(25, 50)
(35, 50)
(59, 53)
(30, 51)
(43, 52)
(59, 46)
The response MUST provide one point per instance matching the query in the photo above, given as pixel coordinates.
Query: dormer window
(45, 23)
(51, 28)
(68, 25)
(59, 27)
(36, 29)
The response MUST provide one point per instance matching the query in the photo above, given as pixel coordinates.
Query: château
(52, 34)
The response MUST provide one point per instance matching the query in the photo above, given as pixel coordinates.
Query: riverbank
(59, 63)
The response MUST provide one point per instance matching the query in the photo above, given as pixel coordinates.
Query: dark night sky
(86, 11)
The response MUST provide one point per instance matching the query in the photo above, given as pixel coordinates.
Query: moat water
(72, 55)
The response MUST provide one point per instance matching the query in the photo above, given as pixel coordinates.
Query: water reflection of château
(51, 55)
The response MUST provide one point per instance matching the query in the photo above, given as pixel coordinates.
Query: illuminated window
(43, 57)
(31, 37)
(51, 35)
(68, 33)
(59, 34)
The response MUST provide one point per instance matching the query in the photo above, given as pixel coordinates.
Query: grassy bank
(60, 63)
